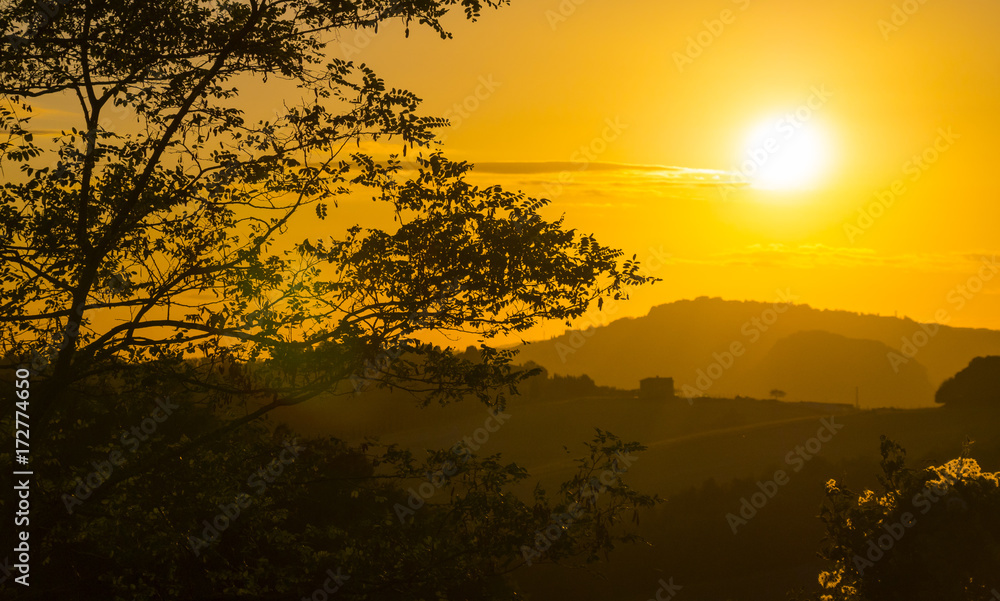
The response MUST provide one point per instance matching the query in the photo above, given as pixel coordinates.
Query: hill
(827, 367)
(724, 348)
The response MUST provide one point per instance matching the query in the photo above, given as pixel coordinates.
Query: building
(657, 388)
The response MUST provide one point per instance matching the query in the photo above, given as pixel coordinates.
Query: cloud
(39, 111)
(637, 184)
(554, 179)
(655, 173)
(558, 166)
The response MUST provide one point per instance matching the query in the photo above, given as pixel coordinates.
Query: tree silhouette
(976, 385)
(142, 261)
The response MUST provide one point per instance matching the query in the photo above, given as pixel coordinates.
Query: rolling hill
(717, 347)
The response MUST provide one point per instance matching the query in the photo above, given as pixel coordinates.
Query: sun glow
(786, 153)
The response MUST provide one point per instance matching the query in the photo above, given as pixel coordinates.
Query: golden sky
(636, 117)
(861, 99)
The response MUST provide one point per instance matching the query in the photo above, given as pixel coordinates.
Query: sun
(786, 153)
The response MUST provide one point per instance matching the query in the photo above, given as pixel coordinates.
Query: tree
(155, 259)
(976, 385)
(777, 394)
(261, 514)
(930, 534)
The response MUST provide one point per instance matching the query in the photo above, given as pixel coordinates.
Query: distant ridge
(722, 347)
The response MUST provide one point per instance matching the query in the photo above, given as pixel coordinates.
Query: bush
(932, 534)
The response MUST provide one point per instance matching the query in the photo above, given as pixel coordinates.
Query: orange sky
(883, 86)
(647, 107)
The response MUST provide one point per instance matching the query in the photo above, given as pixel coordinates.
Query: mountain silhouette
(717, 347)
(825, 367)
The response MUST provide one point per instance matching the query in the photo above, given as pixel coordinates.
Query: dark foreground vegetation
(161, 317)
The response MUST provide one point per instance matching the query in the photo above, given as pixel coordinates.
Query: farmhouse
(657, 388)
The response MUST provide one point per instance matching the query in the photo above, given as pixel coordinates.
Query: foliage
(147, 248)
(176, 230)
(976, 385)
(930, 534)
(331, 506)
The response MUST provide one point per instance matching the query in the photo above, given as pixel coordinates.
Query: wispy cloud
(663, 174)
(558, 166)
(625, 183)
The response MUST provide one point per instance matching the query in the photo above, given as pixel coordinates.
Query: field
(702, 458)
